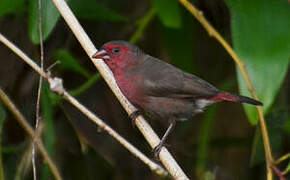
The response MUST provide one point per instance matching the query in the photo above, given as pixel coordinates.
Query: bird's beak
(101, 54)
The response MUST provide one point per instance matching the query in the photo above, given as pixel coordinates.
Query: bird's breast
(129, 85)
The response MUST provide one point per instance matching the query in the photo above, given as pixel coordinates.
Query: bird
(159, 89)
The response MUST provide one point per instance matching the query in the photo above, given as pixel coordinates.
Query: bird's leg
(157, 149)
(133, 116)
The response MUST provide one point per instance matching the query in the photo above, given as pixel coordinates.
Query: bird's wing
(160, 79)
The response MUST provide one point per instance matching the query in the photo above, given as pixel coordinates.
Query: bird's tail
(224, 96)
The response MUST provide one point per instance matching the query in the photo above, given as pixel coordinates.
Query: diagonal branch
(152, 138)
(56, 86)
(23, 122)
(212, 32)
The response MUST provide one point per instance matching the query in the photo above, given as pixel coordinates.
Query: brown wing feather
(160, 79)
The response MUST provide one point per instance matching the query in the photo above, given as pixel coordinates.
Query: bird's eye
(116, 50)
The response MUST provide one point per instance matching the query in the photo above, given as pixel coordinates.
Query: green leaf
(169, 12)
(90, 9)
(67, 61)
(261, 38)
(49, 135)
(8, 6)
(50, 17)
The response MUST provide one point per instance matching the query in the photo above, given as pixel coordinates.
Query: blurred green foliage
(49, 15)
(260, 34)
(169, 12)
(93, 10)
(180, 44)
(288, 168)
(275, 122)
(89, 10)
(8, 6)
(49, 133)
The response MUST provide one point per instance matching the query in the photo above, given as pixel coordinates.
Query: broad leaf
(49, 133)
(169, 12)
(50, 16)
(261, 38)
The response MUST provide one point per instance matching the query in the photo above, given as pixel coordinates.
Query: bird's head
(118, 54)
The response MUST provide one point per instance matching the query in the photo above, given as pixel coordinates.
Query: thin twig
(23, 122)
(283, 158)
(154, 167)
(55, 86)
(37, 113)
(285, 172)
(212, 32)
(24, 166)
(165, 157)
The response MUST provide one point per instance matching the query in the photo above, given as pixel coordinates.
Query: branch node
(56, 85)
(200, 13)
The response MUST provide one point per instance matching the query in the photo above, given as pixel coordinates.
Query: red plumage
(158, 88)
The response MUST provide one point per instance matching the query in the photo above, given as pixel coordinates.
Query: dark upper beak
(100, 54)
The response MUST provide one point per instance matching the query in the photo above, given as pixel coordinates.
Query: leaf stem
(142, 25)
(283, 158)
(86, 85)
(212, 32)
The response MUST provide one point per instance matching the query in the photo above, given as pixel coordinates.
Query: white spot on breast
(202, 103)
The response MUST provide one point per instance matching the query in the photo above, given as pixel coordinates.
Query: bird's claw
(133, 117)
(157, 149)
